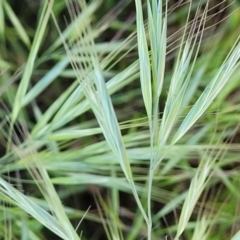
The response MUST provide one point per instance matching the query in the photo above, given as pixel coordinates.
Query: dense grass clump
(119, 120)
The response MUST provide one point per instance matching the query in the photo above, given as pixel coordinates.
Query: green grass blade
(218, 82)
(22, 89)
(144, 60)
(17, 24)
(44, 82)
(31, 208)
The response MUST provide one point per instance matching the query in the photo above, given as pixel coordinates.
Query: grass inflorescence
(119, 120)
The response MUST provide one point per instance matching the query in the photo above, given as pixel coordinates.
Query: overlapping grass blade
(218, 82)
(41, 178)
(80, 20)
(32, 208)
(179, 82)
(44, 82)
(16, 23)
(38, 38)
(144, 60)
(197, 186)
(157, 27)
(100, 100)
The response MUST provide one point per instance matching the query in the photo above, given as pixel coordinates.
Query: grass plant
(120, 120)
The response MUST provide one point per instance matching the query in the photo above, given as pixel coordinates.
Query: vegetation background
(119, 119)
